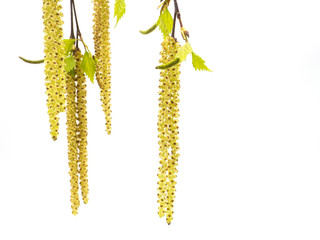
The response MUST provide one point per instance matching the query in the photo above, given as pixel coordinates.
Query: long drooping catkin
(82, 126)
(102, 53)
(54, 62)
(72, 142)
(168, 129)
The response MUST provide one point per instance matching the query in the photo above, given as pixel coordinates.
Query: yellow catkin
(82, 126)
(55, 80)
(72, 142)
(101, 37)
(168, 129)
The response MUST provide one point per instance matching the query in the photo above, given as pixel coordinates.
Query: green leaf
(119, 9)
(198, 63)
(165, 23)
(68, 44)
(70, 63)
(73, 72)
(184, 51)
(88, 65)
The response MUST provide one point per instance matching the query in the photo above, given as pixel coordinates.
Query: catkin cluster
(102, 54)
(168, 129)
(55, 79)
(77, 134)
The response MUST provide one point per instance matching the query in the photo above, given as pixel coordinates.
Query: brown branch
(177, 15)
(72, 30)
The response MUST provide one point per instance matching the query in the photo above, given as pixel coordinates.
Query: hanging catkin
(168, 129)
(72, 142)
(54, 62)
(102, 53)
(82, 126)
(77, 133)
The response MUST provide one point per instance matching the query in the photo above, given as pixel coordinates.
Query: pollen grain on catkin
(168, 129)
(101, 37)
(55, 76)
(82, 129)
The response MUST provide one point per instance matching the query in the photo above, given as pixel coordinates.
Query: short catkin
(72, 142)
(101, 37)
(168, 129)
(55, 79)
(82, 130)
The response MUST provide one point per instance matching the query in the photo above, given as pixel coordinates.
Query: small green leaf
(68, 44)
(119, 9)
(198, 63)
(184, 51)
(70, 63)
(88, 65)
(165, 23)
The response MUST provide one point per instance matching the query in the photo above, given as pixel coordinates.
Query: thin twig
(174, 23)
(176, 6)
(185, 34)
(72, 30)
(75, 16)
(79, 36)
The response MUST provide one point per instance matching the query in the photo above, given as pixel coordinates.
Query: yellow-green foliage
(168, 128)
(54, 62)
(119, 9)
(102, 53)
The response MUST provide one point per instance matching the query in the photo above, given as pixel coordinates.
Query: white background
(249, 132)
